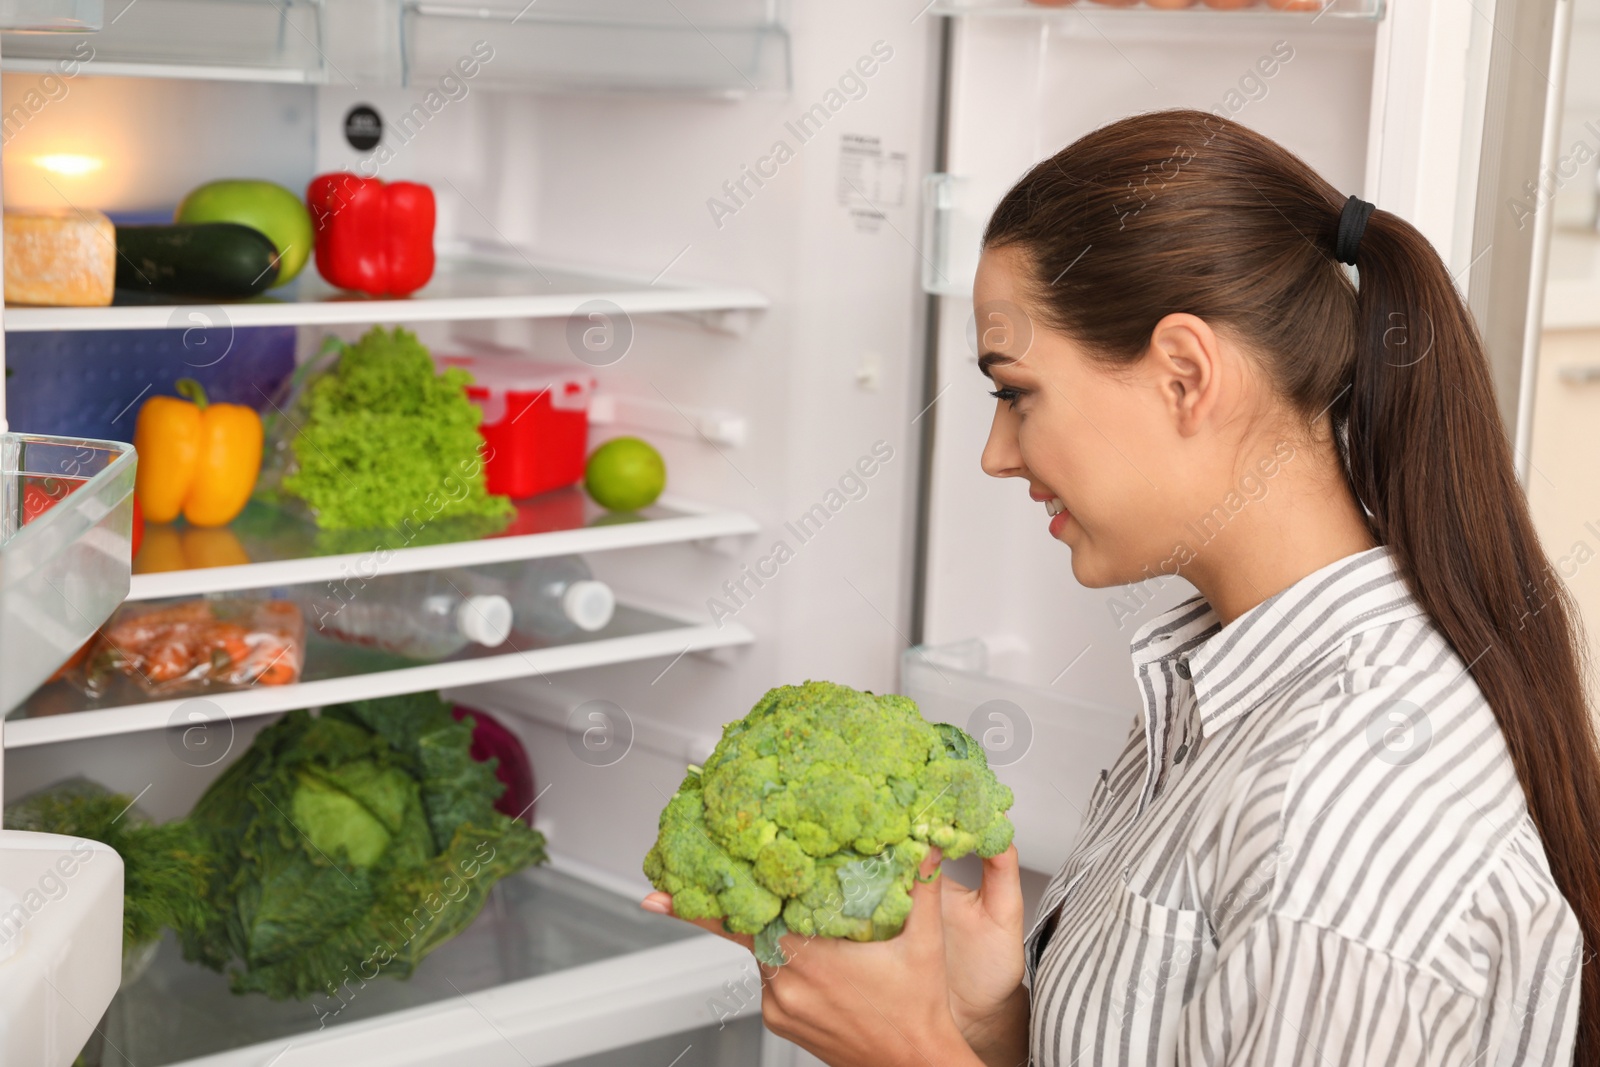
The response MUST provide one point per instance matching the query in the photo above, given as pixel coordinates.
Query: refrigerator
(756, 224)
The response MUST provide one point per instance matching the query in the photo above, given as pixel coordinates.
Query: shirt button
(1182, 668)
(1183, 750)
(1127, 873)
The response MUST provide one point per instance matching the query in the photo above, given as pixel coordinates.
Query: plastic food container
(66, 520)
(535, 420)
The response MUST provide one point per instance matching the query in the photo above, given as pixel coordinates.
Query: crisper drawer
(1048, 747)
(556, 969)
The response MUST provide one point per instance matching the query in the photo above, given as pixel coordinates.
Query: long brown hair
(1183, 211)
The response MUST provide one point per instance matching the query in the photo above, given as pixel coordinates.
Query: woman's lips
(1059, 523)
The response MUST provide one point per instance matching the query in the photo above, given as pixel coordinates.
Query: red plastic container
(535, 420)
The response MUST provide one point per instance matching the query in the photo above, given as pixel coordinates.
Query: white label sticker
(870, 179)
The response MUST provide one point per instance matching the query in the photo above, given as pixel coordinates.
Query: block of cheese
(59, 257)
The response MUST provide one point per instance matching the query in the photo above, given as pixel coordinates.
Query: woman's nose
(1001, 457)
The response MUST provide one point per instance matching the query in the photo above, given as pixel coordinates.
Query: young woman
(1358, 820)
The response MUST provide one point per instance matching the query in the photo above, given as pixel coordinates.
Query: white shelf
(1197, 15)
(465, 287)
(557, 966)
(284, 550)
(335, 673)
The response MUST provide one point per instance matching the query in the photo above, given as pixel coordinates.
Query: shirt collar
(1236, 667)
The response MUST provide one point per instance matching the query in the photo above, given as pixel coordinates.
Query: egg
(1229, 5)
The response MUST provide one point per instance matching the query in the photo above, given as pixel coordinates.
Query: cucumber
(211, 259)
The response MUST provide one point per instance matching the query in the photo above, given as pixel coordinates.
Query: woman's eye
(1006, 393)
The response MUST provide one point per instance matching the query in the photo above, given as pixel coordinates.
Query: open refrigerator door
(1428, 109)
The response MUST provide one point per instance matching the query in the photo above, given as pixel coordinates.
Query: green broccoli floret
(815, 810)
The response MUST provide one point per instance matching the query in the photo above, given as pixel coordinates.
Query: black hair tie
(1352, 224)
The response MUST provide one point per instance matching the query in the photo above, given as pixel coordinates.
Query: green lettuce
(381, 439)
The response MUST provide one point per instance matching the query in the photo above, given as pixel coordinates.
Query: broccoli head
(815, 810)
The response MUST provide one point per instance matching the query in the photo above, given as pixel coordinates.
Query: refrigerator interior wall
(1022, 89)
(139, 144)
(811, 199)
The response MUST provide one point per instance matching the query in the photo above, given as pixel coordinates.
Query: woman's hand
(863, 1003)
(983, 957)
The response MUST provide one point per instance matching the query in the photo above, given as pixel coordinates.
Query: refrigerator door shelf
(1278, 11)
(1044, 744)
(51, 16)
(555, 967)
(734, 52)
(464, 287)
(235, 40)
(60, 944)
(66, 523)
(266, 546)
(335, 672)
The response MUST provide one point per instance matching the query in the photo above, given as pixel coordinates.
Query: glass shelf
(1303, 10)
(723, 50)
(335, 672)
(463, 288)
(266, 546)
(254, 40)
(537, 924)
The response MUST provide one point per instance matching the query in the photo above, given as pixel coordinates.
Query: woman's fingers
(926, 919)
(661, 904)
(1001, 891)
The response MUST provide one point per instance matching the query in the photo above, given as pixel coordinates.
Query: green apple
(261, 205)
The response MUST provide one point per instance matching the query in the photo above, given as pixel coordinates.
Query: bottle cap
(485, 619)
(589, 604)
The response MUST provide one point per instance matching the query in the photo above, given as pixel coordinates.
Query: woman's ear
(1186, 361)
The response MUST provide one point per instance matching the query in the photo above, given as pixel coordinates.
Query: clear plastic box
(66, 521)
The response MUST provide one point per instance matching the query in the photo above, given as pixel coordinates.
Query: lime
(625, 474)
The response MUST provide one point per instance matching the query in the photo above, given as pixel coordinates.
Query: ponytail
(1189, 212)
(1429, 457)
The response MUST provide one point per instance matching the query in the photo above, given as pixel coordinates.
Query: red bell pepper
(372, 236)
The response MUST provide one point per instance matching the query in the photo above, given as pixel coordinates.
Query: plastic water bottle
(550, 598)
(427, 615)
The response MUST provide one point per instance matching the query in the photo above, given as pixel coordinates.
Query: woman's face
(1106, 442)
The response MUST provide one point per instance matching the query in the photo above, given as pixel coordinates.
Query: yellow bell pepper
(174, 548)
(195, 457)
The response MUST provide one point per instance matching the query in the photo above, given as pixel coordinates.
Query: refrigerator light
(69, 164)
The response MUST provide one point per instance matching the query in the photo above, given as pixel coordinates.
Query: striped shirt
(1313, 850)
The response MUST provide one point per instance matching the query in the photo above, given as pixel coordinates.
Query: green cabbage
(349, 845)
